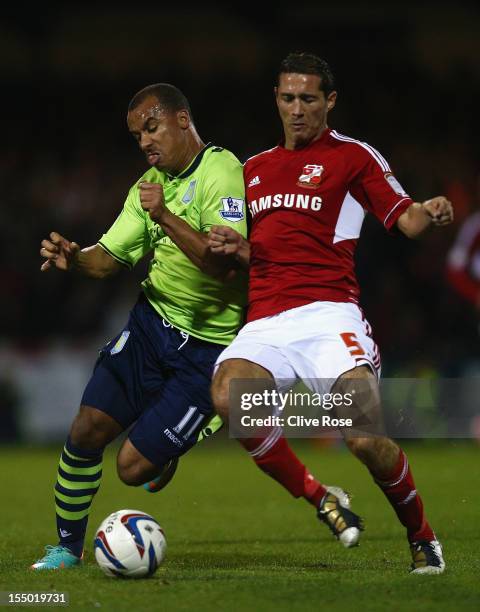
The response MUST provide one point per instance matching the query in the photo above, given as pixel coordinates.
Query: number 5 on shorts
(352, 344)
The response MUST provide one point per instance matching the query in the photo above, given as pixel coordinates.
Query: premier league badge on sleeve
(311, 176)
(232, 209)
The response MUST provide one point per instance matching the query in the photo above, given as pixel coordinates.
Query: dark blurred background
(408, 76)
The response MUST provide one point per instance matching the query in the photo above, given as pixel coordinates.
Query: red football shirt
(307, 210)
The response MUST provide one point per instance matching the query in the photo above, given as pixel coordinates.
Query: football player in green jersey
(155, 374)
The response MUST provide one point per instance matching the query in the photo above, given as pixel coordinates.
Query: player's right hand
(58, 252)
(224, 240)
(439, 209)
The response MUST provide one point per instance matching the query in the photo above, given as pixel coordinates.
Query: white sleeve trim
(393, 209)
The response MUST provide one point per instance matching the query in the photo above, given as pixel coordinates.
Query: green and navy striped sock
(78, 479)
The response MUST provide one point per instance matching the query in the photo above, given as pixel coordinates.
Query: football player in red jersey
(308, 197)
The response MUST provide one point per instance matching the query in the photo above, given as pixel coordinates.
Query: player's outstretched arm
(419, 217)
(65, 255)
(224, 240)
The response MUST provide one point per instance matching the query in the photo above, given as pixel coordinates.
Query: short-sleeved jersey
(210, 191)
(307, 208)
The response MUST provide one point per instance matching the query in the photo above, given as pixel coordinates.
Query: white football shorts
(316, 342)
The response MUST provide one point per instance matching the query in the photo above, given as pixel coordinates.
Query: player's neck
(193, 147)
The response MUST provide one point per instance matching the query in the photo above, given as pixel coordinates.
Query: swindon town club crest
(311, 176)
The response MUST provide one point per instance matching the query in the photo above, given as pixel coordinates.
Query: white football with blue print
(129, 544)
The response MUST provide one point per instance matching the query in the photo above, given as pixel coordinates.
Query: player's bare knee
(363, 448)
(132, 467)
(130, 473)
(378, 453)
(93, 429)
(129, 476)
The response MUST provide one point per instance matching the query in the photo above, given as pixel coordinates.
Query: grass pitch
(237, 541)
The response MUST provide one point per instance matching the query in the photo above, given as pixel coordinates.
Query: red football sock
(274, 457)
(401, 493)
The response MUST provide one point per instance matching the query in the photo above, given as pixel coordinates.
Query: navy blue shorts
(157, 377)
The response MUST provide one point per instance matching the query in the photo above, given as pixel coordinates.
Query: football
(129, 543)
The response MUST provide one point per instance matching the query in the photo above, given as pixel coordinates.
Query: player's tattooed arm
(193, 243)
(419, 217)
(65, 255)
(224, 240)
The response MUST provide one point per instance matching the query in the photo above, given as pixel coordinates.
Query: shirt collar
(190, 169)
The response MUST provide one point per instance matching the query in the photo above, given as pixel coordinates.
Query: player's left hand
(439, 209)
(153, 200)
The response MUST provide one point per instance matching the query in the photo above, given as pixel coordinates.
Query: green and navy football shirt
(210, 191)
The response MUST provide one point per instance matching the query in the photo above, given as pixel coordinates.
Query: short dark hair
(308, 63)
(168, 96)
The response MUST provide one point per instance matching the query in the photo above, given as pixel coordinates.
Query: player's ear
(183, 119)
(331, 99)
